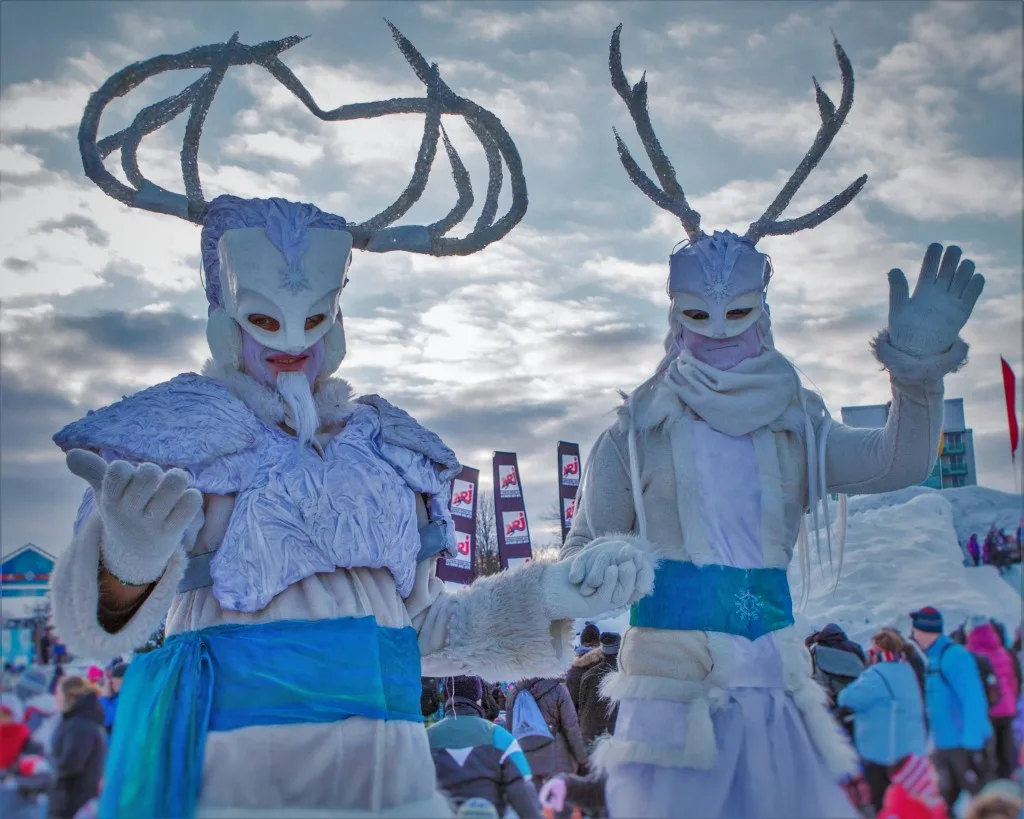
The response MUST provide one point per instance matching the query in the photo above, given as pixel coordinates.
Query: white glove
(145, 512)
(929, 322)
(606, 575)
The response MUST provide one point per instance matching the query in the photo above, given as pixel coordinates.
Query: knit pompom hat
(928, 619)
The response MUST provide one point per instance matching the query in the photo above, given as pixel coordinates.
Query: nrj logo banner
(510, 511)
(569, 473)
(459, 569)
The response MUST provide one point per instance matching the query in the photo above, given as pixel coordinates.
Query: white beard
(302, 413)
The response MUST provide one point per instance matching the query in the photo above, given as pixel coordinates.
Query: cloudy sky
(526, 343)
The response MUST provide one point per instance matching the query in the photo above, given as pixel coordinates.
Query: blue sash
(687, 597)
(234, 676)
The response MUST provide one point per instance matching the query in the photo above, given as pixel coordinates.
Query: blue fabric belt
(687, 597)
(234, 676)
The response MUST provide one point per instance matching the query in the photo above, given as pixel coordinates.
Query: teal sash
(234, 676)
(687, 597)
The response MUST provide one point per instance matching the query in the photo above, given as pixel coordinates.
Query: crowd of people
(997, 548)
(54, 730)
(937, 721)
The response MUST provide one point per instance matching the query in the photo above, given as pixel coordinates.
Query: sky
(527, 342)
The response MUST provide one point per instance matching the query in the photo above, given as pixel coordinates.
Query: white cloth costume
(715, 465)
(242, 512)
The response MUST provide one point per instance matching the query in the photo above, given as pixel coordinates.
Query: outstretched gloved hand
(928, 322)
(144, 511)
(608, 574)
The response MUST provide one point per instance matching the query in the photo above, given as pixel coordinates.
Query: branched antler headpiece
(372, 234)
(670, 194)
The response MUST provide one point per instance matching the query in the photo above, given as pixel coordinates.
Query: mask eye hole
(315, 321)
(268, 323)
(739, 312)
(696, 315)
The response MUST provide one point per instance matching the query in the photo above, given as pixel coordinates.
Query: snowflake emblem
(748, 605)
(293, 278)
(717, 287)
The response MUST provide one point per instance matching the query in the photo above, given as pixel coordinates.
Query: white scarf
(753, 394)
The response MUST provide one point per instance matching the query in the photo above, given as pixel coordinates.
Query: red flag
(1010, 388)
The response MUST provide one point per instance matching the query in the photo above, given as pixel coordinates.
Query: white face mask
(257, 280)
(717, 286)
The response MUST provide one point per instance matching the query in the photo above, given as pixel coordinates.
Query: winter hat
(610, 643)
(12, 705)
(590, 636)
(928, 619)
(95, 674)
(117, 672)
(468, 687)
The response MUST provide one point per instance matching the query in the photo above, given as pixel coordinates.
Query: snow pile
(903, 552)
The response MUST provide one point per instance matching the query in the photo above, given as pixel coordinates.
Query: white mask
(256, 278)
(718, 285)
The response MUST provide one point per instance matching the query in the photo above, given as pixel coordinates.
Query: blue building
(26, 573)
(955, 464)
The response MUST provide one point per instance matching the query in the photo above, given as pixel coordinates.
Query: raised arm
(919, 347)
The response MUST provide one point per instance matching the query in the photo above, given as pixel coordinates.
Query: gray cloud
(76, 221)
(16, 265)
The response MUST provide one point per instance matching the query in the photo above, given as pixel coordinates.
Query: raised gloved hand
(144, 511)
(928, 322)
(608, 574)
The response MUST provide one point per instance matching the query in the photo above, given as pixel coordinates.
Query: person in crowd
(475, 758)
(58, 675)
(888, 712)
(79, 748)
(973, 549)
(836, 661)
(559, 749)
(430, 700)
(984, 640)
(914, 792)
(988, 549)
(109, 700)
(14, 734)
(597, 713)
(568, 794)
(997, 800)
(957, 708)
(588, 655)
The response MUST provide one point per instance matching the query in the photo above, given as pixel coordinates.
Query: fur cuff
(905, 367)
(498, 629)
(698, 752)
(75, 595)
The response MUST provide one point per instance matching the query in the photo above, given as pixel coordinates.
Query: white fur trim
(773, 524)
(334, 348)
(838, 754)
(74, 590)
(498, 629)
(224, 337)
(699, 751)
(333, 396)
(436, 807)
(617, 686)
(905, 367)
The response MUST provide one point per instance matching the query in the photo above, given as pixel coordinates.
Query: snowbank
(903, 552)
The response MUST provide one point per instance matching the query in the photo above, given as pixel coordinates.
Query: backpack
(527, 720)
(989, 680)
(835, 669)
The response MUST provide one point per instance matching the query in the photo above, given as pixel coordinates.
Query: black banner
(569, 470)
(514, 546)
(464, 488)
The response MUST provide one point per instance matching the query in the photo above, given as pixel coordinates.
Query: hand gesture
(929, 321)
(608, 574)
(144, 510)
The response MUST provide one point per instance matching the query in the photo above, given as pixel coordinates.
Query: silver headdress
(375, 233)
(670, 196)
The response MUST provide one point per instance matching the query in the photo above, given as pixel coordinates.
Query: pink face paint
(723, 353)
(265, 364)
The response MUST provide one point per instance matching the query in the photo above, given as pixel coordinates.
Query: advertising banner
(464, 490)
(510, 512)
(569, 471)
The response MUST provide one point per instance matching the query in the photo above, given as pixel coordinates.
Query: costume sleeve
(903, 452)
(516, 777)
(88, 628)
(495, 628)
(604, 501)
(863, 692)
(964, 679)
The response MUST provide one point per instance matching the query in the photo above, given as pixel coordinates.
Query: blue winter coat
(888, 714)
(956, 700)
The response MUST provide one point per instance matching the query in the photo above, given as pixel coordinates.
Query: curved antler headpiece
(373, 234)
(670, 194)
